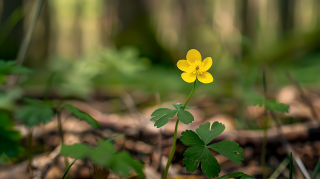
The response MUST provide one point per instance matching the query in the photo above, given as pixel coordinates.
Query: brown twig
(41, 174)
(289, 149)
(128, 100)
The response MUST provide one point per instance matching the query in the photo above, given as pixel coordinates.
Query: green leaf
(158, 113)
(229, 149)
(179, 106)
(34, 113)
(236, 175)
(104, 154)
(82, 116)
(185, 116)
(122, 163)
(8, 98)
(75, 150)
(4, 159)
(8, 67)
(256, 100)
(273, 105)
(164, 115)
(245, 176)
(190, 138)
(3, 79)
(209, 165)
(199, 152)
(10, 138)
(206, 134)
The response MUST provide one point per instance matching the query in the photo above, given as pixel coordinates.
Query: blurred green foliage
(9, 97)
(105, 154)
(35, 112)
(10, 67)
(10, 137)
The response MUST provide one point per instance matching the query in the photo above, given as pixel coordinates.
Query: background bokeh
(115, 45)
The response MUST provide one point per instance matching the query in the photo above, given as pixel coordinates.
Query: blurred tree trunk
(247, 20)
(11, 41)
(136, 31)
(77, 28)
(39, 45)
(286, 13)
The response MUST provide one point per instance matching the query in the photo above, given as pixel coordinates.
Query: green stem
(66, 173)
(61, 135)
(165, 173)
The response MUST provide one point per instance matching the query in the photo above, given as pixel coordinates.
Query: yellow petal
(183, 65)
(188, 77)
(207, 63)
(205, 77)
(194, 56)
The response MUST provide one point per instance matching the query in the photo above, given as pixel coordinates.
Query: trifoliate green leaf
(34, 113)
(9, 137)
(236, 175)
(209, 165)
(82, 116)
(190, 138)
(164, 115)
(207, 134)
(75, 150)
(273, 105)
(8, 67)
(179, 106)
(229, 149)
(199, 152)
(185, 116)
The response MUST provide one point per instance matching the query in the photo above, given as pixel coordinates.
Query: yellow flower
(194, 67)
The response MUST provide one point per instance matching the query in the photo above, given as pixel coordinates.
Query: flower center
(197, 70)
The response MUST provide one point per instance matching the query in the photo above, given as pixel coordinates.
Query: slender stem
(194, 87)
(264, 146)
(265, 125)
(61, 135)
(30, 142)
(165, 173)
(66, 172)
